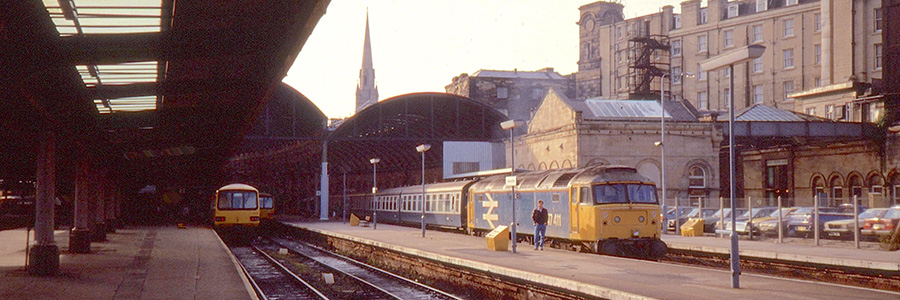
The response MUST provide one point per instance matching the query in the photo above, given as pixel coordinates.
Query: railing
(809, 224)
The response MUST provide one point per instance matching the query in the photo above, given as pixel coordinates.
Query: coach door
(573, 211)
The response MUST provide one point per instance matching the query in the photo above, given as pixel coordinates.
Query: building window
(788, 89)
(837, 189)
(762, 5)
(757, 65)
(729, 38)
(811, 111)
(790, 2)
(701, 74)
(701, 43)
(676, 75)
(696, 178)
(702, 100)
(829, 112)
(818, 82)
(619, 56)
(619, 32)
(537, 93)
(502, 93)
(878, 20)
(619, 83)
(757, 94)
(818, 53)
(676, 48)
(732, 10)
(757, 33)
(788, 27)
(702, 19)
(727, 97)
(818, 19)
(788, 58)
(878, 56)
(726, 72)
(676, 19)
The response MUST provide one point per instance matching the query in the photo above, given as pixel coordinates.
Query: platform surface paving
(601, 275)
(134, 263)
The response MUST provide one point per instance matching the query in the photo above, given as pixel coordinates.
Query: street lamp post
(729, 59)
(374, 163)
(662, 147)
(511, 125)
(421, 149)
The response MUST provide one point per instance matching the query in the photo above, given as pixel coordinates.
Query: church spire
(366, 91)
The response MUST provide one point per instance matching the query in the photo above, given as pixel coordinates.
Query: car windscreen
(872, 213)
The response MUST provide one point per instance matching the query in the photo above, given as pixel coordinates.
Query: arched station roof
(392, 128)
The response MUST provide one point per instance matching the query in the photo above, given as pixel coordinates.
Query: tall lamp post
(511, 125)
(374, 163)
(662, 147)
(729, 59)
(421, 149)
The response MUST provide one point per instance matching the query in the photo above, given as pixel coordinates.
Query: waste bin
(498, 239)
(693, 227)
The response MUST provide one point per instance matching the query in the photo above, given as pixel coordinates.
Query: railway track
(271, 279)
(388, 285)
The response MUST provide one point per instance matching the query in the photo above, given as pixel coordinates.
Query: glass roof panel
(87, 17)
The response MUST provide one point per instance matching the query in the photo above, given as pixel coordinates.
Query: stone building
(812, 46)
(567, 133)
(514, 93)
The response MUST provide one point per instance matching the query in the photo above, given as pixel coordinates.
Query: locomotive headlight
(617, 219)
(641, 219)
(636, 233)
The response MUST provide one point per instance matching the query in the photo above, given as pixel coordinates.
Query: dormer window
(733, 10)
(762, 5)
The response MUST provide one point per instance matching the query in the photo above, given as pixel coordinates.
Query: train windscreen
(266, 202)
(624, 193)
(237, 200)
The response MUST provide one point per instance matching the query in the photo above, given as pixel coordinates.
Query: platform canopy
(154, 88)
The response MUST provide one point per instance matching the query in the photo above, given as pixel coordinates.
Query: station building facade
(567, 133)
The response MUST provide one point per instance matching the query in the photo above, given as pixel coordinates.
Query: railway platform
(134, 263)
(604, 276)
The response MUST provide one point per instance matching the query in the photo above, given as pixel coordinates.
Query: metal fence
(806, 221)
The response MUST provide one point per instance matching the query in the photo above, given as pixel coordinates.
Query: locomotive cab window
(237, 200)
(585, 195)
(641, 193)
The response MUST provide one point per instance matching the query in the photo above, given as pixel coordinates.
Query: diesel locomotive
(605, 209)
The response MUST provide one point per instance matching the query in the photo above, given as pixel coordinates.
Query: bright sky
(419, 46)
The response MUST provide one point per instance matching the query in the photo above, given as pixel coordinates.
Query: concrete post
(44, 257)
(110, 198)
(80, 237)
(323, 184)
(97, 184)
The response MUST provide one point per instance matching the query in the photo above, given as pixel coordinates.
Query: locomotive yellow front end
(617, 213)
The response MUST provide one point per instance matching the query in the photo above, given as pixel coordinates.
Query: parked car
(756, 212)
(770, 227)
(709, 223)
(800, 223)
(842, 228)
(754, 225)
(682, 211)
(884, 225)
(693, 213)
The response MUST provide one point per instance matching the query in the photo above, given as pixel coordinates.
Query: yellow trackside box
(354, 220)
(693, 227)
(498, 239)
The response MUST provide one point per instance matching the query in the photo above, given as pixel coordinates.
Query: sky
(420, 45)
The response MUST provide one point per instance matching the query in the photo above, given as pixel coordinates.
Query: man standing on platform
(539, 216)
